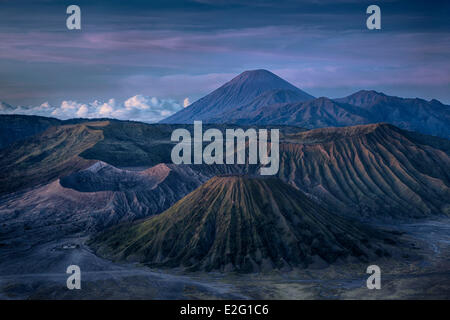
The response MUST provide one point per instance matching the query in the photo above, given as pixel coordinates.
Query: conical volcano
(239, 91)
(245, 224)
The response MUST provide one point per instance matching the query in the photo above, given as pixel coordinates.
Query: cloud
(82, 111)
(45, 105)
(152, 107)
(107, 108)
(138, 102)
(138, 108)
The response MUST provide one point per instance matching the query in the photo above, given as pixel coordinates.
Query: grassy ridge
(46, 157)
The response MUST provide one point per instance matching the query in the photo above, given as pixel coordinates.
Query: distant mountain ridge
(261, 98)
(4, 107)
(415, 114)
(18, 127)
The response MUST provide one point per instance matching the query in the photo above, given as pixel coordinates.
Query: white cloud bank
(139, 108)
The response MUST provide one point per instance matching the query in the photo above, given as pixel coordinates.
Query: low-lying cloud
(138, 107)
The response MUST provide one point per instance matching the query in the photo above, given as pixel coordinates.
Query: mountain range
(260, 97)
(337, 181)
(369, 171)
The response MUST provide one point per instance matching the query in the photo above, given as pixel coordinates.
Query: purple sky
(141, 59)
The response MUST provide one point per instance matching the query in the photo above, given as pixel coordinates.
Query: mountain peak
(256, 74)
(368, 92)
(239, 91)
(436, 102)
(5, 107)
(260, 81)
(364, 97)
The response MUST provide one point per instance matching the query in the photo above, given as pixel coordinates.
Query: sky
(144, 60)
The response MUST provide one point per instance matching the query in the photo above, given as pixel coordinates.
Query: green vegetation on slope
(245, 224)
(46, 157)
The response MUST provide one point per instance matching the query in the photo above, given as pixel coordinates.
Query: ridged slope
(243, 224)
(373, 171)
(47, 156)
(240, 91)
(92, 199)
(317, 113)
(268, 98)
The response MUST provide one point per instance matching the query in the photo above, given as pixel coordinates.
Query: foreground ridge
(246, 224)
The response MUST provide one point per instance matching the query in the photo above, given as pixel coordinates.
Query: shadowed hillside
(364, 107)
(45, 157)
(18, 127)
(370, 171)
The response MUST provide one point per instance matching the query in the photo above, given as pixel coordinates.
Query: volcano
(259, 97)
(240, 91)
(244, 224)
